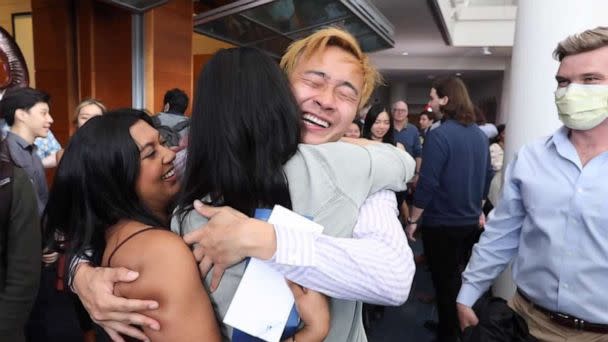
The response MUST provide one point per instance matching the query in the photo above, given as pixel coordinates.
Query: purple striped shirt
(375, 266)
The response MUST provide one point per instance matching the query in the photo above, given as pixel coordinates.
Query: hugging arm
(375, 265)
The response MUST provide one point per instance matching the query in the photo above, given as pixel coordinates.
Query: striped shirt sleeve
(374, 266)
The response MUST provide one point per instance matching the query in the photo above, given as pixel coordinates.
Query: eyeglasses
(395, 110)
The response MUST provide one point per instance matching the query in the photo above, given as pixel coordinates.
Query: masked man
(552, 217)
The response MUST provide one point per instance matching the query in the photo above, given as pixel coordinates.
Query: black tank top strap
(125, 240)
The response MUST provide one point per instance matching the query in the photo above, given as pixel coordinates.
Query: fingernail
(132, 274)
(153, 306)
(155, 327)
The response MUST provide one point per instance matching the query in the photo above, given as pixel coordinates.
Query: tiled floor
(405, 323)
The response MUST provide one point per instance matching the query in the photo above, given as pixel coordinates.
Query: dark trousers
(448, 249)
(53, 316)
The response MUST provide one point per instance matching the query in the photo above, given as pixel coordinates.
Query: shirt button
(565, 286)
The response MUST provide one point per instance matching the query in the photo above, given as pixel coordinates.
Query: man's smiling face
(327, 87)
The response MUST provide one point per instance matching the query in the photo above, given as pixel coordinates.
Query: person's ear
(21, 115)
(166, 107)
(444, 101)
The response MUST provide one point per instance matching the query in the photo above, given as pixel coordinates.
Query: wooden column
(82, 49)
(54, 60)
(168, 51)
(104, 53)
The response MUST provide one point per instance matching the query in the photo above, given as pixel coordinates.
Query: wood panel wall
(54, 60)
(82, 49)
(168, 51)
(198, 63)
(104, 53)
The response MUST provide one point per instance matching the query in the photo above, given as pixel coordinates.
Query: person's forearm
(418, 163)
(416, 214)
(497, 246)
(75, 264)
(375, 266)
(260, 240)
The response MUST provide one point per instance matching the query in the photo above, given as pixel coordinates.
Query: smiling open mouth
(315, 120)
(168, 174)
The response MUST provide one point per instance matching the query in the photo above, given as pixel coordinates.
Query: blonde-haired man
(552, 218)
(331, 79)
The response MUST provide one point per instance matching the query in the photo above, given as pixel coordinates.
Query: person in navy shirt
(454, 179)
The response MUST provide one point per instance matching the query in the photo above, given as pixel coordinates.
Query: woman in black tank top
(111, 199)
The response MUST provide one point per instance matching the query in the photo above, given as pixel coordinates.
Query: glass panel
(290, 15)
(274, 25)
(236, 29)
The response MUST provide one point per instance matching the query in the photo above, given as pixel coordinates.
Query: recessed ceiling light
(458, 74)
(405, 53)
(486, 50)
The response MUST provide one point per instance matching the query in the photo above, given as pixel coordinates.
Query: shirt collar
(564, 147)
(404, 128)
(559, 138)
(20, 141)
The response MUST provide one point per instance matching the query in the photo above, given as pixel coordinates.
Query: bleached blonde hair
(333, 36)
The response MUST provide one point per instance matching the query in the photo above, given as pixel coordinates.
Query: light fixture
(405, 53)
(486, 51)
(458, 74)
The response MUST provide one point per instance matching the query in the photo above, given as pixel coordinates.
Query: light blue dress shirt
(47, 146)
(552, 221)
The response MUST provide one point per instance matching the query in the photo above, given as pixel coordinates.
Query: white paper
(262, 302)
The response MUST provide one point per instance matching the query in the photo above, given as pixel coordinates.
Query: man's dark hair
(428, 114)
(94, 186)
(20, 98)
(459, 106)
(177, 100)
(241, 145)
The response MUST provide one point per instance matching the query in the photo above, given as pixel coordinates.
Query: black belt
(566, 320)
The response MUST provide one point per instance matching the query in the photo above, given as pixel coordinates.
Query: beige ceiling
(418, 34)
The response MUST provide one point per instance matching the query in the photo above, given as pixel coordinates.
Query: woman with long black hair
(243, 153)
(110, 199)
(379, 126)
